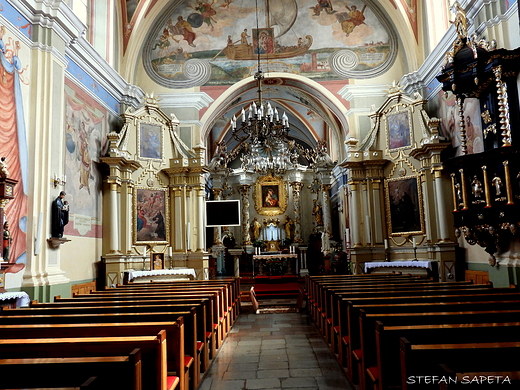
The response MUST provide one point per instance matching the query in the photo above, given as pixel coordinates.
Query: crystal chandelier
(263, 137)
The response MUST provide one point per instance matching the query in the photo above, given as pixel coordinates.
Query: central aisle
(274, 351)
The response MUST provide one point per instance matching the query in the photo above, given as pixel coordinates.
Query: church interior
(296, 146)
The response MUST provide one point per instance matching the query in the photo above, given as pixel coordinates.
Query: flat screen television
(223, 213)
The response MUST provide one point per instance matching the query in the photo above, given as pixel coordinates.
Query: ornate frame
(156, 260)
(412, 203)
(148, 201)
(263, 185)
(399, 131)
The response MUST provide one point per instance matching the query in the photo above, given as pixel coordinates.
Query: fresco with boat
(219, 43)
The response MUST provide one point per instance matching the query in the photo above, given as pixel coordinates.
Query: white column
(217, 231)
(201, 229)
(354, 213)
(442, 221)
(327, 220)
(114, 220)
(178, 220)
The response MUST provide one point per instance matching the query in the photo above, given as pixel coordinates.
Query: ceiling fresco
(221, 42)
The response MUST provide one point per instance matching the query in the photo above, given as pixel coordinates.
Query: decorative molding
(197, 100)
(350, 92)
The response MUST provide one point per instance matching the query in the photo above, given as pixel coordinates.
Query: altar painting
(151, 216)
(270, 196)
(220, 44)
(404, 206)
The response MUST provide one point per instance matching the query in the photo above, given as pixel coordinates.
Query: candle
(144, 252)
(386, 243)
(170, 251)
(414, 242)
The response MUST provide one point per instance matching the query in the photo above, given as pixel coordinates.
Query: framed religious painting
(151, 217)
(270, 196)
(404, 206)
(399, 130)
(150, 141)
(156, 261)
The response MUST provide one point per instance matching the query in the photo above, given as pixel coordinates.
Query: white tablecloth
(22, 298)
(162, 272)
(402, 264)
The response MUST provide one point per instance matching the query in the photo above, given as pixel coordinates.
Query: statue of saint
(6, 245)
(288, 227)
(317, 212)
(60, 215)
(255, 229)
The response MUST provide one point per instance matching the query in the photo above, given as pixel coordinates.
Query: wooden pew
(367, 321)
(341, 302)
(174, 335)
(219, 325)
(153, 353)
(187, 374)
(422, 361)
(209, 299)
(363, 338)
(204, 314)
(111, 372)
(385, 373)
(197, 351)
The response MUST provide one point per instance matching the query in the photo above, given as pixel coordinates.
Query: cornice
(197, 100)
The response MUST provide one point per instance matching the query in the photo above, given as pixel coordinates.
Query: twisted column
(244, 191)
(327, 221)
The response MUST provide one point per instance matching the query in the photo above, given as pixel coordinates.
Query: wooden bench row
(202, 312)
(365, 319)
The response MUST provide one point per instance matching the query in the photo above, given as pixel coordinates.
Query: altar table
(161, 275)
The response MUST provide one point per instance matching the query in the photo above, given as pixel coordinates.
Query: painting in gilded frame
(151, 221)
(399, 130)
(156, 261)
(404, 206)
(270, 196)
(150, 141)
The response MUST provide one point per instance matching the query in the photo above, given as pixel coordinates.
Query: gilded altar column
(327, 221)
(297, 187)
(244, 191)
(188, 218)
(378, 220)
(217, 231)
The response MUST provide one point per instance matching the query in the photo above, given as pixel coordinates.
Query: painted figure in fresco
(474, 141)
(243, 37)
(7, 240)
(60, 215)
(265, 43)
(207, 12)
(355, 18)
(185, 29)
(86, 160)
(323, 5)
(226, 4)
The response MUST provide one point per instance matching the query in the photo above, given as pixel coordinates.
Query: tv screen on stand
(223, 213)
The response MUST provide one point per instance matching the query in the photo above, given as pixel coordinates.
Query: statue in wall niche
(476, 188)
(497, 183)
(60, 215)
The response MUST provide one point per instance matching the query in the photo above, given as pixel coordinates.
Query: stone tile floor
(274, 351)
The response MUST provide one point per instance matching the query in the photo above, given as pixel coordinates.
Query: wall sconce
(57, 181)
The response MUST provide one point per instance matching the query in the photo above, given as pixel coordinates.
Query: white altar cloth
(162, 272)
(22, 298)
(402, 264)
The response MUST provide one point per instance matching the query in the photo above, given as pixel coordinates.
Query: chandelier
(263, 137)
